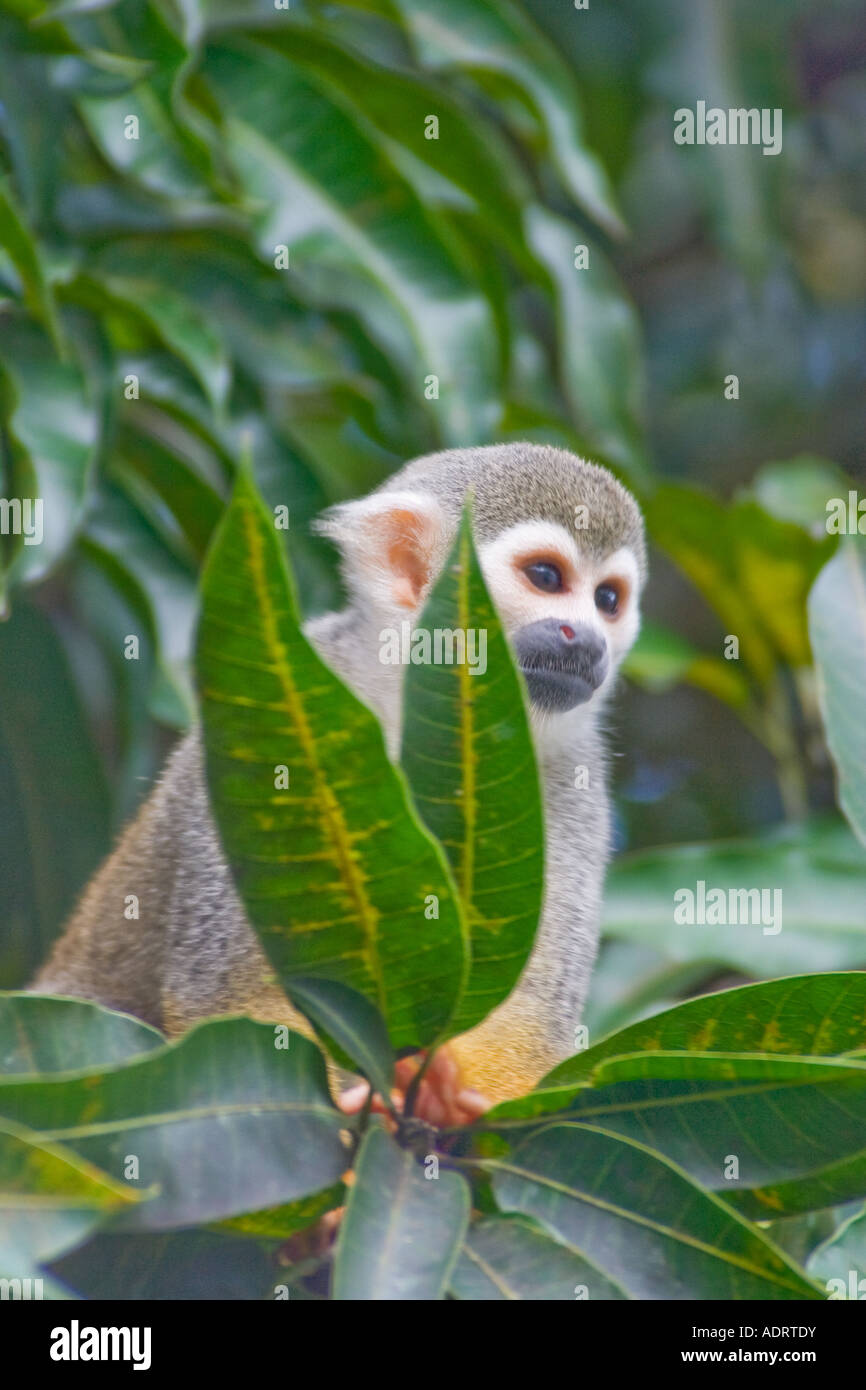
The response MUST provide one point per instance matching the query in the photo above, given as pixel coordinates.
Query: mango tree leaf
(806, 1015)
(280, 1223)
(53, 426)
(159, 585)
(497, 43)
(640, 1219)
(468, 755)
(509, 1258)
(169, 1266)
(156, 156)
(768, 1075)
(175, 320)
(661, 659)
(753, 569)
(469, 152)
(600, 343)
(334, 870)
(351, 1026)
(40, 1033)
(837, 625)
(17, 240)
(401, 1232)
(818, 1186)
(221, 1122)
(50, 1200)
(358, 237)
(54, 811)
(840, 1262)
(797, 490)
(819, 869)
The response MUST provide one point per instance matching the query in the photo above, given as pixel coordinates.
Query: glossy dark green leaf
(334, 869)
(752, 568)
(169, 1266)
(500, 43)
(19, 243)
(222, 1122)
(819, 869)
(509, 1258)
(42, 1034)
(600, 342)
(757, 1088)
(640, 1219)
(53, 424)
(840, 1262)
(350, 1025)
(54, 809)
(837, 627)
(50, 1200)
(468, 755)
(402, 1230)
(363, 242)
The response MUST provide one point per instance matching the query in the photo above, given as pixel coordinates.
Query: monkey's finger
(353, 1100)
(472, 1103)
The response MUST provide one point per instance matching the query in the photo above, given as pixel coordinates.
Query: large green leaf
(175, 320)
(18, 242)
(819, 868)
(169, 1266)
(351, 1027)
(640, 1219)
(53, 428)
(50, 1200)
(469, 151)
(335, 871)
(54, 813)
(753, 569)
(762, 1074)
(837, 625)
(841, 1261)
(807, 1015)
(402, 1230)
(358, 237)
(500, 45)
(510, 1258)
(600, 343)
(222, 1122)
(468, 755)
(39, 1033)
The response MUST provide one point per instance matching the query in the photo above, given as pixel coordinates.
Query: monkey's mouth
(556, 690)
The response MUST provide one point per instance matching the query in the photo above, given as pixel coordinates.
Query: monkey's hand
(441, 1097)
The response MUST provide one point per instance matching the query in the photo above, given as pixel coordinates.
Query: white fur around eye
(519, 603)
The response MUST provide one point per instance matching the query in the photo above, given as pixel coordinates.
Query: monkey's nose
(563, 663)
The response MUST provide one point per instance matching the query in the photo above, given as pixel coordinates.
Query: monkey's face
(567, 598)
(570, 615)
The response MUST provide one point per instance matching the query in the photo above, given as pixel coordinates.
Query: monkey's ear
(392, 543)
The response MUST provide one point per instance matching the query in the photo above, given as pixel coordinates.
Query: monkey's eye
(545, 576)
(607, 599)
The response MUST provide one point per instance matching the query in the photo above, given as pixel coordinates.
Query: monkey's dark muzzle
(563, 664)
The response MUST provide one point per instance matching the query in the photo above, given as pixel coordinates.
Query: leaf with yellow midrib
(335, 871)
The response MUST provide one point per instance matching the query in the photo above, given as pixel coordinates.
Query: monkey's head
(561, 545)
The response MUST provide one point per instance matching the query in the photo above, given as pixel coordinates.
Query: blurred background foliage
(282, 253)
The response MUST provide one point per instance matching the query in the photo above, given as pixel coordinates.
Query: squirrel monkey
(562, 550)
